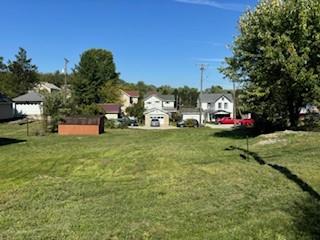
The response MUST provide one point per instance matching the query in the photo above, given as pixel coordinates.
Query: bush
(190, 123)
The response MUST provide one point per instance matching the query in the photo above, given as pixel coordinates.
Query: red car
(243, 122)
(247, 122)
(228, 120)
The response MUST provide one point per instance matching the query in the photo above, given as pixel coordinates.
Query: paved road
(220, 126)
(154, 128)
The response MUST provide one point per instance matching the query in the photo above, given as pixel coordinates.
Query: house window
(167, 102)
(157, 101)
(131, 100)
(219, 105)
(149, 103)
(225, 105)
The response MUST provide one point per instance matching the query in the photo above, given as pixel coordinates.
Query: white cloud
(216, 4)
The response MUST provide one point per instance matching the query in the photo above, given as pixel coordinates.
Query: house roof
(155, 109)
(132, 93)
(49, 85)
(110, 107)
(4, 98)
(169, 98)
(31, 96)
(213, 97)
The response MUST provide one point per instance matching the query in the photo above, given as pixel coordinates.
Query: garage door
(160, 117)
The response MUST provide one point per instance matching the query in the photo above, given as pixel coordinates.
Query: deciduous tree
(276, 58)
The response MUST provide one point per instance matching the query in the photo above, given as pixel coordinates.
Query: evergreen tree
(22, 74)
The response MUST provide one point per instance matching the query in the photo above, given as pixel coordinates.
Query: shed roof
(31, 96)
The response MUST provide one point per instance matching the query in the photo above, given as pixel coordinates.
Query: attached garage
(154, 113)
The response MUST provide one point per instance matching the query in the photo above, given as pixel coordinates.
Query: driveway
(220, 126)
(154, 128)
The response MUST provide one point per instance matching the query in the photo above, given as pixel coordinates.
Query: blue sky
(156, 41)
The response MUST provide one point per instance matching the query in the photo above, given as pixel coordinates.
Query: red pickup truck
(243, 122)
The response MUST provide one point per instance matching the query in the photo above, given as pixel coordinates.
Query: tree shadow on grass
(8, 141)
(306, 212)
(307, 218)
(237, 133)
(281, 169)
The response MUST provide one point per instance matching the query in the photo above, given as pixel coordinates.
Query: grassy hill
(177, 184)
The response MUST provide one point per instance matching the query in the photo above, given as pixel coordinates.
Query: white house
(29, 104)
(160, 107)
(158, 101)
(49, 87)
(128, 98)
(216, 105)
(6, 109)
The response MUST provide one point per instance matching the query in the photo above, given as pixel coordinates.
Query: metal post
(247, 157)
(27, 127)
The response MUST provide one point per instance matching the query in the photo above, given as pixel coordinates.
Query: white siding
(153, 102)
(168, 104)
(224, 104)
(111, 116)
(29, 109)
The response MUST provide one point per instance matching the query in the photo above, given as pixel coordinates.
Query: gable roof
(110, 108)
(31, 96)
(213, 97)
(166, 98)
(131, 93)
(4, 98)
(153, 110)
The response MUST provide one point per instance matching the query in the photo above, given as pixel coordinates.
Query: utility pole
(66, 61)
(203, 67)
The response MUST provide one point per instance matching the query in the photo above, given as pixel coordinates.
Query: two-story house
(128, 99)
(160, 107)
(216, 105)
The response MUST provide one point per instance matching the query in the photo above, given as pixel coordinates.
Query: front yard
(177, 184)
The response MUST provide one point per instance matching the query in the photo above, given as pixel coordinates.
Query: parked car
(133, 123)
(188, 123)
(155, 123)
(228, 120)
(247, 122)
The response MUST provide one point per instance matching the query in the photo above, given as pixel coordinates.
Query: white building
(160, 107)
(216, 105)
(29, 104)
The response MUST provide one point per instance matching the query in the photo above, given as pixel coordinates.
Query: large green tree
(22, 74)
(95, 69)
(276, 58)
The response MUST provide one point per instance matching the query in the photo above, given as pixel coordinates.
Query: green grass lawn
(176, 184)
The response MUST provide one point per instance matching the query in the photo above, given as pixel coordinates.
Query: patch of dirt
(277, 137)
